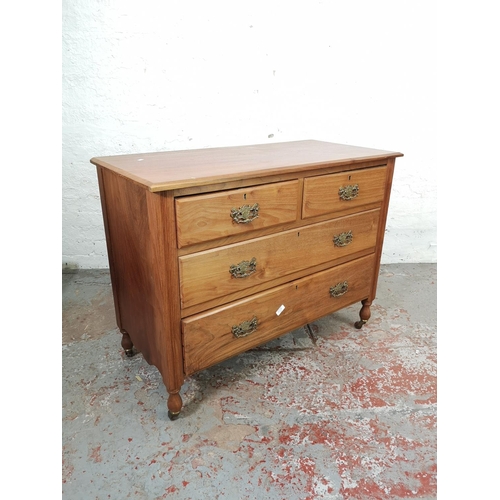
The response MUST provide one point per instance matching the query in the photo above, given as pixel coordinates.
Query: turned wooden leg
(174, 405)
(127, 344)
(364, 314)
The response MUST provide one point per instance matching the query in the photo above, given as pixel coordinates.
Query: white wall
(162, 75)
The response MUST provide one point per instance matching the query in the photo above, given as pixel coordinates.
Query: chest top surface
(168, 170)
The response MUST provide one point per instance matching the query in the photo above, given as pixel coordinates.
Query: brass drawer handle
(342, 239)
(350, 192)
(245, 214)
(339, 289)
(245, 328)
(244, 269)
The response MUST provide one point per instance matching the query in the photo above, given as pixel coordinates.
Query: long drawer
(332, 193)
(212, 216)
(216, 273)
(226, 331)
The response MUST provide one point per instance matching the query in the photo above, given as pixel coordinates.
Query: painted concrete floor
(323, 412)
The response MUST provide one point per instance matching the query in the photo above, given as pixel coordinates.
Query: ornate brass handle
(339, 289)
(245, 328)
(245, 214)
(244, 268)
(342, 239)
(350, 192)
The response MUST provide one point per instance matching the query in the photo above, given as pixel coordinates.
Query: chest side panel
(127, 234)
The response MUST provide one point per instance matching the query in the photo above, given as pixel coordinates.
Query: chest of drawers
(215, 251)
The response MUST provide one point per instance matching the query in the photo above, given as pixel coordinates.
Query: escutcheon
(342, 239)
(349, 192)
(245, 213)
(245, 328)
(244, 269)
(339, 289)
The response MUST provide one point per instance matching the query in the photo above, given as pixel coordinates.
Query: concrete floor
(324, 412)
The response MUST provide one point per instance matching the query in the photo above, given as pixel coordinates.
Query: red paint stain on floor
(95, 454)
(429, 401)
(373, 388)
(360, 449)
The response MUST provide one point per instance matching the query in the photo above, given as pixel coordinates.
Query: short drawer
(221, 271)
(327, 194)
(224, 332)
(211, 216)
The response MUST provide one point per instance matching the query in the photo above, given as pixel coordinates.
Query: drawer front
(224, 332)
(326, 194)
(211, 216)
(215, 273)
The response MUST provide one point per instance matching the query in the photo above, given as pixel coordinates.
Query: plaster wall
(165, 75)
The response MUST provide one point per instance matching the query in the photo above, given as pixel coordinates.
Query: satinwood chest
(215, 251)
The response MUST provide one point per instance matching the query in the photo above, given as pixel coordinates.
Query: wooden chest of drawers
(213, 252)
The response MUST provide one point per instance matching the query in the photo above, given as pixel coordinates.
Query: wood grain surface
(205, 275)
(160, 171)
(207, 217)
(208, 337)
